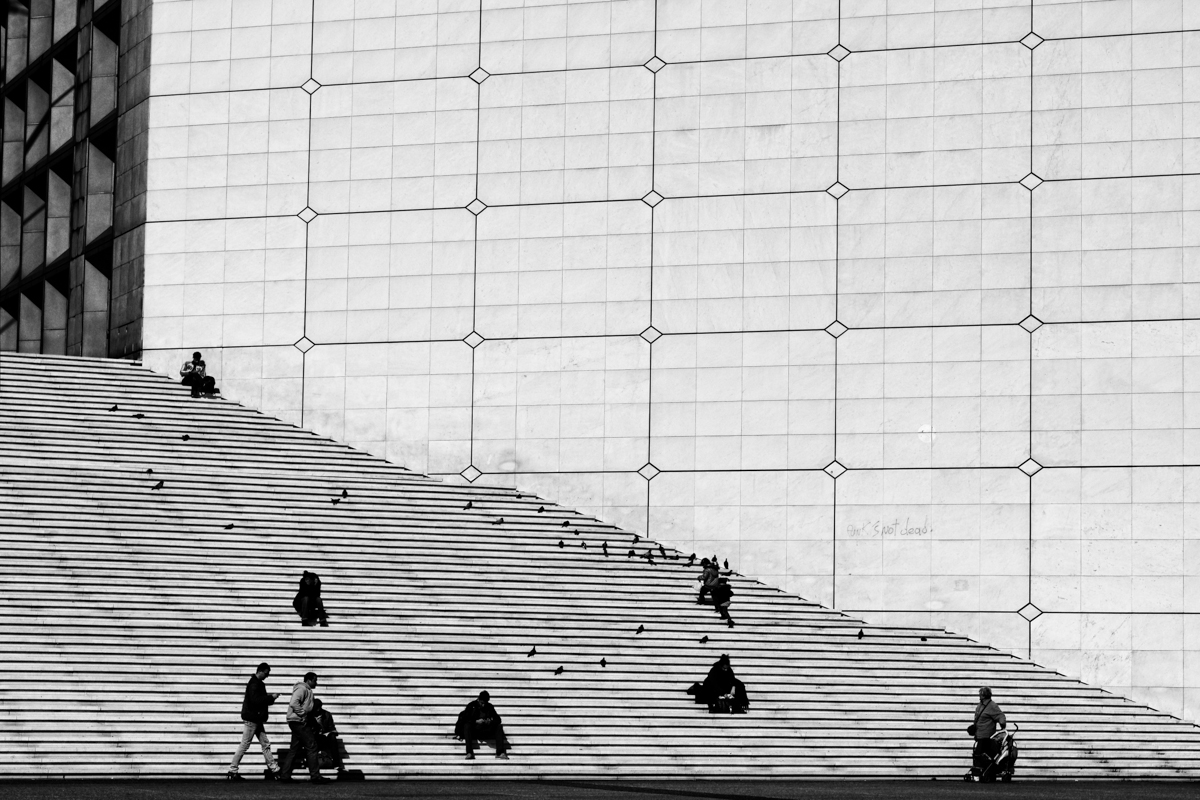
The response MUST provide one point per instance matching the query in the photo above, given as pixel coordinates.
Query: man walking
(299, 707)
(254, 716)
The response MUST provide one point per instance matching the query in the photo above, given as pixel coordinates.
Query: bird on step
(636, 538)
(114, 408)
(583, 545)
(630, 554)
(558, 671)
(532, 652)
(499, 521)
(860, 633)
(186, 437)
(468, 506)
(691, 559)
(150, 471)
(541, 509)
(604, 547)
(662, 552)
(139, 416)
(345, 494)
(727, 563)
(703, 640)
(560, 544)
(566, 523)
(335, 500)
(603, 663)
(641, 629)
(229, 527)
(158, 485)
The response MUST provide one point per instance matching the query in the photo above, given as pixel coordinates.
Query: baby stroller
(1001, 763)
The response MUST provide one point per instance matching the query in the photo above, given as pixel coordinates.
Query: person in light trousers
(255, 709)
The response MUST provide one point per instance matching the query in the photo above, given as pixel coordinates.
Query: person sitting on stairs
(721, 691)
(479, 720)
(195, 375)
(308, 603)
(320, 723)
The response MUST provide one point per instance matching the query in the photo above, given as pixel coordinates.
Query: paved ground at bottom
(598, 790)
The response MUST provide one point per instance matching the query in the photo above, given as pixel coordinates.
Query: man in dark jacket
(720, 683)
(479, 720)
(254, 715)
(988, 719)
(722, 595)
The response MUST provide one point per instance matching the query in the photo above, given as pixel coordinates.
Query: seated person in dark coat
(479, 720)
(719, 683)
(308, 602)
(321, 723)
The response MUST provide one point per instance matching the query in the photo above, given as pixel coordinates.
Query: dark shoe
(285, 778)
(318, 779)
(343, 775)
(731, 623)
(233, 776)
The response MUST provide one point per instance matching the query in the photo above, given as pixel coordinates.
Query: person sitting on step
(721, 691)
(195, 375)
(324, 730)
(479, 720)
(708, 578)
(308, 603)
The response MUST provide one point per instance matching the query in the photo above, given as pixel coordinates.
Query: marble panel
(616, 498)
(756, 401)
(938, 116)
(932, 540)
(1116, 106)
(934, 256)
(394, 146)
(561, 405)
(933, 397)
(1095, 18)
(875, 25)
(524, 37)
(227, 154)
(229, 45)
(563, 270)
(774, 525)
(745, 263)
(566, 136)
(746, 126)
(391, 40)
(712, 30)
(390, 276)
(1005, 630)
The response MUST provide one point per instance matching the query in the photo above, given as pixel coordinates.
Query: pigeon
(229, 527)
(923, 639)
(560, 544)
(641, 629)
(532, 652)
(150, 471)
(335, 500)
(629, 554)
(158, 485)
(727, 563)
(691, 559)
(636, 538)
(583, 544)
(345, 494)
(114, 408)
(541, 509)
(186, 437)
(558, 671)
(566, 523)
(139, 416)
(468, 506)
(662, 552)
(499, 521)
(604, 547)
(703, 640)
(860, 633)
(603, 663)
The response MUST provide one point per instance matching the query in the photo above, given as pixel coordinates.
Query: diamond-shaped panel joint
(1030, 612)
(837, 190)
(836, 329)
(651, 334)
(307, 214)
(470, 473)
(476, 206)
(834, 469)
(1031, 181)
(1031, 323)
(652, 198)
(473, 339)
(310, 86)
(649, 471)
(304, 344)
(838, 52)
(1032, 40)
(654, 64)
(1030, 467)
(480, 75)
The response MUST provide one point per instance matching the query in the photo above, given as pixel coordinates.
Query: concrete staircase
(134, 616)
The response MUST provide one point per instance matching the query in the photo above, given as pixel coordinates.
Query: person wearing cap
(255, 708)
(479, 720)
(988, 719)
(195, 375)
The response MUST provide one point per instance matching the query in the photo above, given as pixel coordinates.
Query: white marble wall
(899, 311)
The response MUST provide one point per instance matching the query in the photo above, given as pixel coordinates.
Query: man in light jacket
(298, 710)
